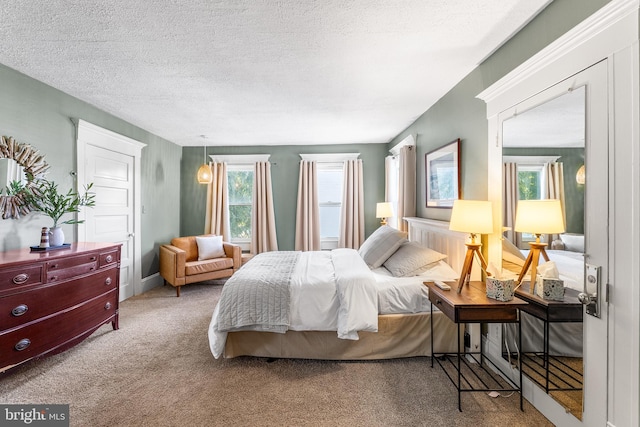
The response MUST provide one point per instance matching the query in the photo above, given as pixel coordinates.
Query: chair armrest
(172, 263)
(233, 251)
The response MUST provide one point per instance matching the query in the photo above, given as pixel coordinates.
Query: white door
(111, 220)
(593, 81)
(112, 163)
(596, 230)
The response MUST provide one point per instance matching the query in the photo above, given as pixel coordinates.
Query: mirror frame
(13, 205)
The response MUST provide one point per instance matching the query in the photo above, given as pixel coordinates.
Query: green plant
(44, 197)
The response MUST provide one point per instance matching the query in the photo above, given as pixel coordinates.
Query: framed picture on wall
(443, 175)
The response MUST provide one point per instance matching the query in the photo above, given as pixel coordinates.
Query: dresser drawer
(109, 258)
(24, 307)
(22, 276)
(443, 305)
(64, 263)
(38, 338)
(58, 275)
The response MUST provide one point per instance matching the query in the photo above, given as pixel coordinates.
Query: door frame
(90, 134)
(610, 34)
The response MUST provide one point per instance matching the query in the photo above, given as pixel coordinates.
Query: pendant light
(204, 172)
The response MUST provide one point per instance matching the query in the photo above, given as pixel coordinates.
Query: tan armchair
(179, 263)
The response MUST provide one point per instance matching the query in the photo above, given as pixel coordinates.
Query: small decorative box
(549, 289)
(501, 290)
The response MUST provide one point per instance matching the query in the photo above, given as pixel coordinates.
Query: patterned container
(501, 290)
(549, 289)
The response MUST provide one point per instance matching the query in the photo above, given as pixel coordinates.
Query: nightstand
(473, 306)
(550, 372)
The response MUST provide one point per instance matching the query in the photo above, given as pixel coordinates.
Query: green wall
(572, 159)
(174, 203)
(459, 114)
(40, 115)
(285, 162)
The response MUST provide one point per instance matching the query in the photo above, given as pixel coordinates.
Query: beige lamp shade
(472, 216)
(384, 210)
(580, 175)
(539, 217)
(204, 172)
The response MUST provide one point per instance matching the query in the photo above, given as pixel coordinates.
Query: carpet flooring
(157, 370)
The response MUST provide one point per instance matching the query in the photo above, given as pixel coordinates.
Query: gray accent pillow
(381, 245)
(411, 259)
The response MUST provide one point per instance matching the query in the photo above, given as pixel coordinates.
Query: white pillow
(573, 242)
(381, 245)
(209, 247)
(411, 259)
(511, 253)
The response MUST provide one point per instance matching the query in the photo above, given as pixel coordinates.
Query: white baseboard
(150, 282)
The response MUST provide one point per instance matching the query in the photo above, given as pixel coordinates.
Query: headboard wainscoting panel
(436, 235)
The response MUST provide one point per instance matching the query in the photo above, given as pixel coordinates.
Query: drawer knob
(107, 306)
(109, 258)
(20, 278)
(93, 258)
(53, 278)
(107, 281)
(19, 310)
(54, 266)
(438, 302)
(23, 344)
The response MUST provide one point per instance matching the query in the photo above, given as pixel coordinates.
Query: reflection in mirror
(543, 151)
(20, 164)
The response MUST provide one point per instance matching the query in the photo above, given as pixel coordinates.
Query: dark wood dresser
(51, 301)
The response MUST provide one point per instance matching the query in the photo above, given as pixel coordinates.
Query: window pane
(330, 186)
(529, 185)
(240, 185)
(240, 221)
(329, 221)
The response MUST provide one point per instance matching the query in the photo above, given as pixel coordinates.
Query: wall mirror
(543, 150)
(20, 164)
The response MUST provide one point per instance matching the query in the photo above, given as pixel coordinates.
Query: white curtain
(554, 189)
(406, 186)
(217, 213)
(510, 201)
(308, 210)
(263, 220)
(352, 212)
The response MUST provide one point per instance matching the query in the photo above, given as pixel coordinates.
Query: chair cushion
(207, 266)
(209, 247)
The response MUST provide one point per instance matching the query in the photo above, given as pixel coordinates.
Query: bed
(565, 339)
(367, 314)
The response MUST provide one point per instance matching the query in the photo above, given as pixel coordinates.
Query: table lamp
(474, 217)
(537, 217)
(384, 211)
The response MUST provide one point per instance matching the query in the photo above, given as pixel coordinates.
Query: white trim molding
(329, 157)
(239, 159)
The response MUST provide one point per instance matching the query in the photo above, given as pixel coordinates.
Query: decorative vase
(57, 236)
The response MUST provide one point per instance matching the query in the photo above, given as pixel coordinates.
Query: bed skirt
(399, 335)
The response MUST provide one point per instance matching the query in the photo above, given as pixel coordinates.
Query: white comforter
(336, 291)
(330, 291)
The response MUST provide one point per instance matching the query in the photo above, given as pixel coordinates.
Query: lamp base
(537, 249)
(465, 275)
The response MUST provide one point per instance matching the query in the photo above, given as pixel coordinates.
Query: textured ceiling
(241, 72)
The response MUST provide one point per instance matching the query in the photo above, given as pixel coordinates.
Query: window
(330, 180)
(240, 187)
(393, 186)
(240, 191)
(529, 188)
